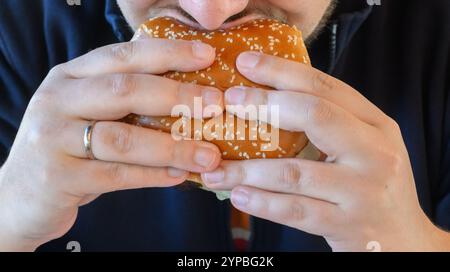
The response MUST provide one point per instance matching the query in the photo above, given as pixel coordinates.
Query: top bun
(263, 35)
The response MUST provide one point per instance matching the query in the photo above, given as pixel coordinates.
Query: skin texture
(362, 193)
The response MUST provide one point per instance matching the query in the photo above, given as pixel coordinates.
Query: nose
(211, 14)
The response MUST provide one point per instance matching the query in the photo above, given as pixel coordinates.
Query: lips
(176, 15)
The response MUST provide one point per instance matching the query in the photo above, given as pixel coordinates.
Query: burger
(234, 137)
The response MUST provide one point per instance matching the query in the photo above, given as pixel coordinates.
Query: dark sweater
(396, 55)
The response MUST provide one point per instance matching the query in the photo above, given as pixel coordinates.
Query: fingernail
(176, 173)
(202, 51)
(212, 96)
(236, 95)
(214, 177)
(204, 157)
(239, 198)
(248, 60)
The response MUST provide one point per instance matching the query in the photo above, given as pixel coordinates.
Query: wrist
(434, 239)
(440, 240)
(10, 241)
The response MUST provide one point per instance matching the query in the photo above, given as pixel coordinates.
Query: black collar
(345, 22)
(117, 21)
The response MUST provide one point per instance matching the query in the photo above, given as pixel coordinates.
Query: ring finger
(123, 143)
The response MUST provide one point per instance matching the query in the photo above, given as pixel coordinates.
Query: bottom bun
(194, 177)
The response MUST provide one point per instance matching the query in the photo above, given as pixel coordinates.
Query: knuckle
(290, 176)
(117, 136)
(296, 211)
(117, 174)
(392, 162)
(264, 97)
(57, 70)
(44, 97)
(122, 85)
(180, 91)
(123, 52)
(40, 132)
(172, 48)
(392, 125)
(41, 99)
(318, 111)
(309, 178)
(175, 151)
(322, 82)
(240, 173)
(122, 139)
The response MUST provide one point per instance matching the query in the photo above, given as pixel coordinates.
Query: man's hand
(47, 175)
(365, 189)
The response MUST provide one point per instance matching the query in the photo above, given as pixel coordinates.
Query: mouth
(176, 15)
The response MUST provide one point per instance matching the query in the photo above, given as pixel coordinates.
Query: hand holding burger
(362, 197)
(49, 173)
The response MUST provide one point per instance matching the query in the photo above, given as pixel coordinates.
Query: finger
(329, 127)
(111, 97)
(326, 181)
(284, 74)
(152, 56)
(88, 179)
(124, 143)
(303, 213)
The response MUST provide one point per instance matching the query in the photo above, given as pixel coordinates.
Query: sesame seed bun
(263, 35)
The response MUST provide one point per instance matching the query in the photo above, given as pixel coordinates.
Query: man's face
(307, 15)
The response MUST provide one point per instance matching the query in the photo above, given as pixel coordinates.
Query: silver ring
(87, 140)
